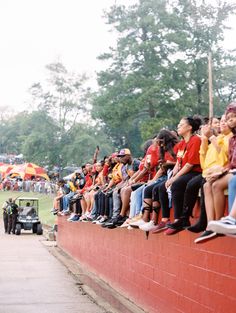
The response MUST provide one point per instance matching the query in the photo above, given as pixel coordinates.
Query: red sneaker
(161, 226)
(171, 231)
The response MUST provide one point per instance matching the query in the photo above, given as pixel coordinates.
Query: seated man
(129, 167)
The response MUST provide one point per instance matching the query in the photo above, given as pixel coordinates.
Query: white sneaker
(83, 217)
(137, 223)
(125, 224)
(97, 219)
(148, 226)
(224, 226)
(101, 220)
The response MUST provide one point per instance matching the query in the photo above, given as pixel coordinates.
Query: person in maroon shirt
(186, 168)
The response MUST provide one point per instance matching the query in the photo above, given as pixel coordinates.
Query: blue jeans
(231, 192)
(136, 201)
(66, 200)
(137, 196)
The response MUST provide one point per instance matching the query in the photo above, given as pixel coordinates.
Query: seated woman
(214, 157)
(166, 141)
(209, 157)
(186, 168)
(98, 183)
(214, 193)
(88, 182)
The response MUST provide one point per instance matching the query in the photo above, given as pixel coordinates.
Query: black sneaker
(196, 228)
(116, 221)
(111, 226)
(109, 222)
(121, 220)
(207, 234)
(181, 224)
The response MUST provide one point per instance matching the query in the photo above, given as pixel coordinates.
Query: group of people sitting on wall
(198, 163)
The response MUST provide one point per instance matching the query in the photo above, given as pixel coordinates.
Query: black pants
(191, 194)
(108, 204)
(11, 227)
(148, 190)
(78, 208)
(99, 199)
(5, 221)
(178, 191)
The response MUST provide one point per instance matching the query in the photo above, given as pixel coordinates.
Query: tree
(38, 138)
(158, 69)
(199, 30)
(32, 134)
(65, 96)
(82, 141)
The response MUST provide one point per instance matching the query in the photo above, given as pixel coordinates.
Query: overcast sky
(34, 33)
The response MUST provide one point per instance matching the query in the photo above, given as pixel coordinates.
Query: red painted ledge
(164, 274)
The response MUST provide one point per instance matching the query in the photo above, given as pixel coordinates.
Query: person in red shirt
(88, 183)
(166, 159)
(186, 168)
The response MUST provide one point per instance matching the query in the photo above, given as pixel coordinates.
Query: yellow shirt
(72, 186)
(116, 173)
(210, 157)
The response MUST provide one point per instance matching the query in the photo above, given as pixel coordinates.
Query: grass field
(45, 203)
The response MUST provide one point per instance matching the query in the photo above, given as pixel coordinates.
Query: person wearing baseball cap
(124, 152)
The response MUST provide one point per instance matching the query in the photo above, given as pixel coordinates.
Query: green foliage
(157, 73)
(65, 96)
(38, 137)
(81, 143)
(158, 69)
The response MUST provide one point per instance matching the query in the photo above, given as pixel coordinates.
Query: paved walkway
(33, 281)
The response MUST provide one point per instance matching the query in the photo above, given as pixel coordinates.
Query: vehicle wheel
(18, 229)
(39, 229)
(34, 228)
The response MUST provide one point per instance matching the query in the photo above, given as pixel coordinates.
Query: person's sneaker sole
(137, 225)
(124, 225)
(156, 231)
(202, 239)
(111, 226)
(171, 231)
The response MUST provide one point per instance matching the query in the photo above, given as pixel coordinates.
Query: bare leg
(91, 195)
(209, 202)
(87, 200)
(125, 199)
(147, 205)
(218, 189)
(83, 206)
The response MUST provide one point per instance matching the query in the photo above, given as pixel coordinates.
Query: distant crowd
(28, 185)
(196, 163)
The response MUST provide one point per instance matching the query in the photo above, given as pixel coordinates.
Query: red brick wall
(164, 274)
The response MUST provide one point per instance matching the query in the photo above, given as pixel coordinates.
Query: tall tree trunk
(199, 98)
